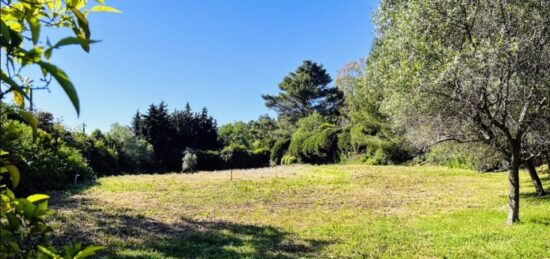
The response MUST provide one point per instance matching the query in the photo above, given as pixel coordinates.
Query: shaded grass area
(306, 211)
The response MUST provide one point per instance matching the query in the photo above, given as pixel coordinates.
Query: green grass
(307, 211)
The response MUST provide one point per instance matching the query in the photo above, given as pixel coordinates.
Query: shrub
(45, 163)
(279, 150)
(236, 156)
(103, 159)
(288, 160)
(468, 156)
(315, 141)
(209, 160)
(134, 154)
(189, 161)
(344, 143)
(259, 158)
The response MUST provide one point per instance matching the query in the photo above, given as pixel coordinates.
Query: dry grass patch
(306, 211)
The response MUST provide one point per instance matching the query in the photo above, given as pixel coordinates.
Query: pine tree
(303, 92)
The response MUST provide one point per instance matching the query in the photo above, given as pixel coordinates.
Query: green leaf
(63, 79)
(18, 99)
(104, 8)
(47, 252)
(38, 197)
(5, 30)
(35, 28)
(88, 251)
(31, 120)
(14, 174)
(48, 53)
(82, 22)
(85, 43)
(73, 40)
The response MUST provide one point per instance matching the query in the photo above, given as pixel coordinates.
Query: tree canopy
(305, 91)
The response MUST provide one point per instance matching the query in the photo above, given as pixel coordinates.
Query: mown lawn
(307, 211)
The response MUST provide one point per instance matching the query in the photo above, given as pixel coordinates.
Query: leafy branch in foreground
(24, 232)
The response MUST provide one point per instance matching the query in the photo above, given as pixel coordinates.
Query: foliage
(134, 154)
(253, 135)
(237, 134)
(370, 132)
(22, 49)
(468, 71)
(303, 92)
(278, 150)
(46, 163)
(315, 140)
(288, 160)
(96, 148)
(189, 161)
(263, 132)
(25, 232)
(170, 134)
(468, 156)
(237, 156)
(209, 160)
(233, 156)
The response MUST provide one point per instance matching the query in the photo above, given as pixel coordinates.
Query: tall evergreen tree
(305, 91)
(137, 124)
(206, 131)
(181, 122)
(157, 130)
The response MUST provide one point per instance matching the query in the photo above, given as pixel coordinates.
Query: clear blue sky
(222, 54)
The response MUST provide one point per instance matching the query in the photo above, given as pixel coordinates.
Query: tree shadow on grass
(127, 235)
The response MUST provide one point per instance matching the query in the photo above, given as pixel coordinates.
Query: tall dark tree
(158, 131)
(205, 131)
(305, 91)
(181, 123)
(137, 124)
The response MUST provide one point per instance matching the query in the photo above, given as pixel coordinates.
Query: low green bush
(46, 163)
(278, 151)
(288, 160)
(468, 156)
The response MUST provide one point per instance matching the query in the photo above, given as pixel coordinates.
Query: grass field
(307, 211)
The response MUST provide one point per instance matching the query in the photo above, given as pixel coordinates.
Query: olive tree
(468, 71)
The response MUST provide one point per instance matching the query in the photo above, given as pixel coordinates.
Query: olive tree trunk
(513, 180)
(535, 178)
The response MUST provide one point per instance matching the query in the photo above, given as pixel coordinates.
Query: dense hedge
(209, 160)
(232, 157)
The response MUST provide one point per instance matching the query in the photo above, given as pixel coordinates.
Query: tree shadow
(126, 235)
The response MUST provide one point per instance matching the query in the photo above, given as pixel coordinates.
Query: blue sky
(222, 54)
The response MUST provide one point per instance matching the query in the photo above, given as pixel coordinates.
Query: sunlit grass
(308, 211)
